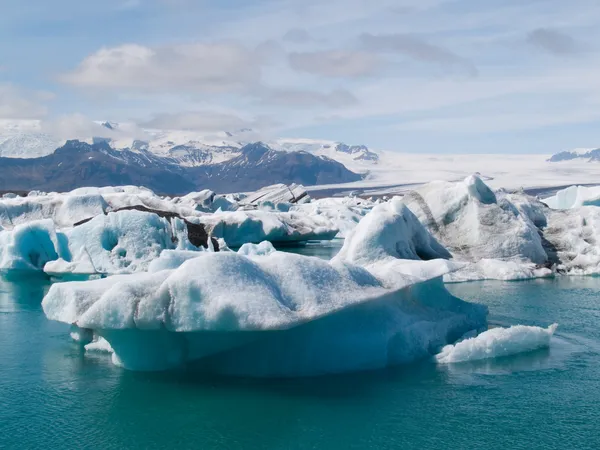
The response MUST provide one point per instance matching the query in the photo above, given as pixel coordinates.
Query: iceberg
(505, 236)
(30, 246)
(100, 345)
(226, 216)
(574, 197)
(498, 342)
(121, 242)
(265, 313)
(70, 208)
(474, 223)
(241, 227)
(344, 213)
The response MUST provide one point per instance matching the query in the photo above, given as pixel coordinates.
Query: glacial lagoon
(53, 395)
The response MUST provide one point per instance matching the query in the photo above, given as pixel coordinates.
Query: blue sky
(417, 76)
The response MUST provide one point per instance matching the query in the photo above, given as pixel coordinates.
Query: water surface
(52, 396)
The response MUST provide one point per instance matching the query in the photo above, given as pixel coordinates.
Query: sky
(429, 76)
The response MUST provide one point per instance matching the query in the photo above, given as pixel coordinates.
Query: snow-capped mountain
(78, 164)
(589, 154)
(25, 139)
(356, 157)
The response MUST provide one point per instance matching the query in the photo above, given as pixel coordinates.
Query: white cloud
(300, 98)
(416, 49)
(297, 36)
(335, 63)
(74, 126)
(130, 4)
(209, 121)
(553, 41)
(16, 103)
(200, 67)
(502, 121)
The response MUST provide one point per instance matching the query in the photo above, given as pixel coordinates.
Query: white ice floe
(574, 197)
(278, 314)
(264, 248)
(67, 209)
(99, 345)
(498, 342)
(344, 213)
(240, 227)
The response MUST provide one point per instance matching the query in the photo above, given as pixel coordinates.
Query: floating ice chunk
(99, 345)
(498, 342)
(343, 213)
(473, 223)
(495, 269)
(220, 301)
(277, 194)
(241, 227)
(70, 208)
(390, 231)
(262, 249)
(82, 335)
(574, 197)
(30, 246)
(388, 331)
(121, 242)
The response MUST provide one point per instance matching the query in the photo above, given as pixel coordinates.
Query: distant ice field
(398, 173)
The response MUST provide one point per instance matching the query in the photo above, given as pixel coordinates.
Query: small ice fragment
(498, 342)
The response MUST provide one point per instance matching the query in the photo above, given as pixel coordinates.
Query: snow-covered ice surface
(396, 173)
(26, 139)
(496, 343)
(261, 312)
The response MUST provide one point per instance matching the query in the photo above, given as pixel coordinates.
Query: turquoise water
(51, 396)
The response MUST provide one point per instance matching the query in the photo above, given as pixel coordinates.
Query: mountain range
(589, 154)
(78, 163)
(170, 161)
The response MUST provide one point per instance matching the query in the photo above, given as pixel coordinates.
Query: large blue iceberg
(261, 312)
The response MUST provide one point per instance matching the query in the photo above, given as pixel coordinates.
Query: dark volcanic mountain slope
(79, 164)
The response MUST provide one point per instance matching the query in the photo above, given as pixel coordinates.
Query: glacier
(265, 313)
